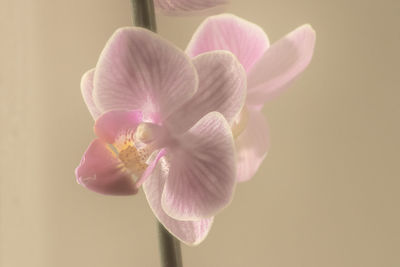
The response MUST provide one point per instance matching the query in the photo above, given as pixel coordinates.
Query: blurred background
(327, 195)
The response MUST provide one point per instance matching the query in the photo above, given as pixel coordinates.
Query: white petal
(189, 232)
(280, 65)
(202, 175)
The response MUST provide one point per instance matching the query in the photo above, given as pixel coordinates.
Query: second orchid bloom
(270, 69)
(186, 127)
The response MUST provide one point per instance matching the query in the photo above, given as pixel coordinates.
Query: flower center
(134, 159)
(135, 148)
(241, 122)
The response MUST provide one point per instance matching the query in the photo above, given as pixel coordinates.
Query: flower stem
(170, 248)
(143, 14)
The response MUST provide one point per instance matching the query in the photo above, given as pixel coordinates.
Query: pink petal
(202, 176)
(281, 64)
(112, 124)
(222, 88)
(102, 172)
(227, 32)
(138, 70)
(252, 145)
(150, 169)
(171, 7)
(189, 232)
(87, 90)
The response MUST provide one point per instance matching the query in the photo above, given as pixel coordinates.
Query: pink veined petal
(102, 172)
(138, 70)
(280, 65)
(87, 93)
(227, 32)
(172, 7)
(189, 232)
(222, 88)
(252, 145)
(112, 124)
(149, 170)
(202, 176)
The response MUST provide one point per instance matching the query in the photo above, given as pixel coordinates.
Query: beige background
(326, 196)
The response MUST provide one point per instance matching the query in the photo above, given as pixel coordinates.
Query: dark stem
(170, 248)
(143, 14)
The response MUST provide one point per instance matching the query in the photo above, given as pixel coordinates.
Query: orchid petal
(280, 65)
(227, 32)
(252, 145)
(138, 70)
(171, 7)
(112, 124)
(87, 93)
(189, 232)
(202, 176)
(150, 168)
(102, 172)
(222, 88)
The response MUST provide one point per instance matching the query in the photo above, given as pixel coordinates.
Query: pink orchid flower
(176, 7)
(270, 69)
(152, 104)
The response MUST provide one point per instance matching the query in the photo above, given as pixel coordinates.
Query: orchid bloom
(270, 69)
(152, 105)
(174, 7)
